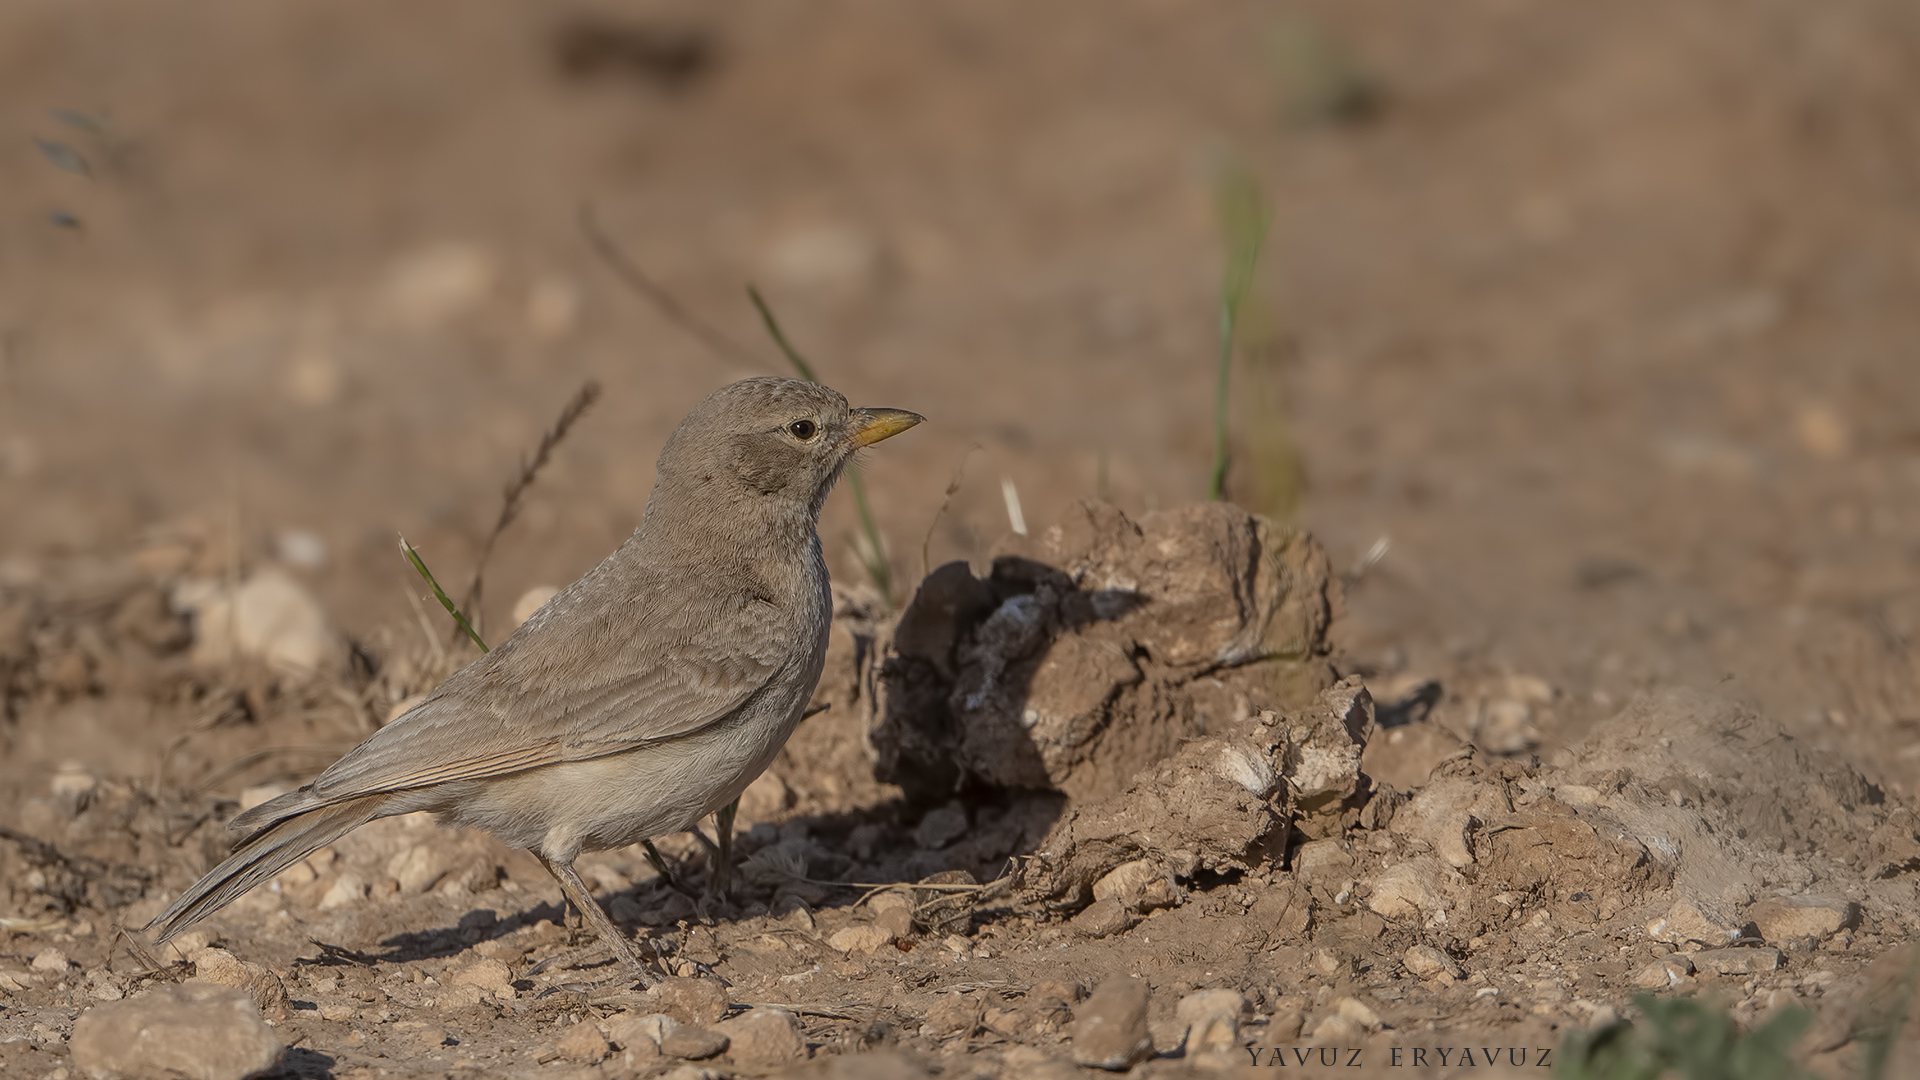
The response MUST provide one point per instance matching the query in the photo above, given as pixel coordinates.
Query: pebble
(530, 602)
(1359, 1012)
(1740, 961)
(1688, 921)
(1110, 1030)
(347, 889)
(197, 1030)
(692, 1043)
(866, 938)
(893, 909)
(271, 617)
(1427, 961)
(584, 1042)
(1338, 1030)
(418, 868)
(1102, 918)
(1409, 891)
(631, 1027)
(1212, 1020)
(762, 1038)
(1125, 882)
(1788, 918)
(222, 968)
(51, 960)
(953, 1016)
(1664, 972)
(433, 284)
(489, 975)
(689, 1000)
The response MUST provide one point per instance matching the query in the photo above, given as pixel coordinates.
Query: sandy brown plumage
(642, 697)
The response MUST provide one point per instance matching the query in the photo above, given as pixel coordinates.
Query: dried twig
(953, 488)
(636, 279)
(530, 468)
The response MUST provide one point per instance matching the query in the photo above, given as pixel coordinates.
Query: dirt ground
(1580, 349)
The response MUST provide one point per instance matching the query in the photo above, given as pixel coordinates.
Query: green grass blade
(779, 337)
(1244, 218)
(874, 558)
(420, 567)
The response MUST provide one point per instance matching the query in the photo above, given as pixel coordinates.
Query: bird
(639, 699)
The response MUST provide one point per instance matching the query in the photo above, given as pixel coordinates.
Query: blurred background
(1584, 336)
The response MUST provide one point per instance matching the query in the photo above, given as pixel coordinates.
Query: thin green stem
(420, 566)
(874, 558)
(1244, 219)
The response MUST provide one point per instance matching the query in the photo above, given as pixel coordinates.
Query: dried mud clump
(1099, 649)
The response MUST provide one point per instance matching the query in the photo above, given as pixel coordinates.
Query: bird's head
(774, 443)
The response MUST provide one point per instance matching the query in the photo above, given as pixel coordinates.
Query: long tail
(298, 832)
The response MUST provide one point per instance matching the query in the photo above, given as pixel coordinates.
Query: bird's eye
(802, 429)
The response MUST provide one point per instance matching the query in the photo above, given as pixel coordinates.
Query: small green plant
(1244, 218)
(1687, 1039)
(873, 556)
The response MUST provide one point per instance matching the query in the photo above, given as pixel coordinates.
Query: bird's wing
(590, 678)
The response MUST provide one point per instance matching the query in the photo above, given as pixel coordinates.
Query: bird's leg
(576, 891)
(722, 875)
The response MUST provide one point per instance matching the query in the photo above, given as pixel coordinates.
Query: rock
(1412, 891)
(584, 1042)
(223, 968)
(1447, 813)
(1110, 1029)
(347, 889)
(1790, 918)
(637, 1036)
(51, 960)
(431, 285)
(763, 1037)
(1097, 649)
(953, 1016)
(1325, 963)
(893, 910)
(418, 868)
(1102, 918)
(1323, 861)
(1737, 961)
(531, 601)
(1690, 920)
(271, 618)
(492, 976)
(1359, 1012)
(197, 1031)
(691, 1043)
(1324, 746)
(1664, 972)
(864, 937)
(1124, 883)
(690, 1001)
(1338, 1030)
(1212, 1022)
(941, 826)
(1427, 962)
(1205, 807)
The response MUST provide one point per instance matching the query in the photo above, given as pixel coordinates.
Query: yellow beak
(872, 425)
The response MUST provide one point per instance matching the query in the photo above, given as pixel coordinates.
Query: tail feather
(275, 810)
(267, 852)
